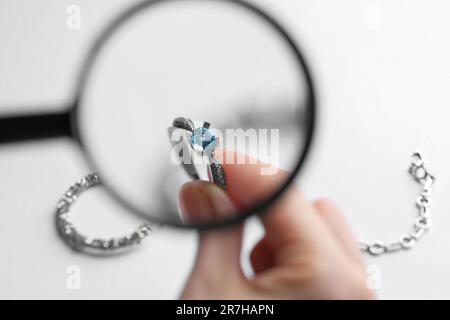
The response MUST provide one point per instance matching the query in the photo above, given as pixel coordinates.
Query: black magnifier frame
(66, 124)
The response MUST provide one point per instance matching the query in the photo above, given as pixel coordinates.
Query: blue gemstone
(202, 137)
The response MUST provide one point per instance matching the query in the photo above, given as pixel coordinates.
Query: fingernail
(202, 202)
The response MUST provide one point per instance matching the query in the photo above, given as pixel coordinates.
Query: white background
(381, 69)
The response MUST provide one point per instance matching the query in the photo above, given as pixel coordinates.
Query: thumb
(218, 258)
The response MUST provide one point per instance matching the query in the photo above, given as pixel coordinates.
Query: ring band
(201, 141)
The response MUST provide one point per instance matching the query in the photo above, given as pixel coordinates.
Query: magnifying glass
(225, 67)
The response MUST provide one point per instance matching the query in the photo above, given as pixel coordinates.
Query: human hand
(307, 252)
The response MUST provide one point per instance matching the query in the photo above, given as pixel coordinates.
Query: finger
(293, 220)
(247, 181)
(261, 256)
(290, 218)
(337, 224)
(219, 250)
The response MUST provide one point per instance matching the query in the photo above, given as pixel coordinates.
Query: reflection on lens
(200, 90)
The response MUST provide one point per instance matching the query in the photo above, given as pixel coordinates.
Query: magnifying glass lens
(216, 63)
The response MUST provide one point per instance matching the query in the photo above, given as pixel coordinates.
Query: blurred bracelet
(91, 245)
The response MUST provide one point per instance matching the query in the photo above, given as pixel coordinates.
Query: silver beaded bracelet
(80, 242)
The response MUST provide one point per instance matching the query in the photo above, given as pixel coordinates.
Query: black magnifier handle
(17, 128)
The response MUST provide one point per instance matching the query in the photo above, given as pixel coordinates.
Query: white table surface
(381, 69)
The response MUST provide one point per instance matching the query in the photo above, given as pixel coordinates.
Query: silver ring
(90, 245)
(197, 140)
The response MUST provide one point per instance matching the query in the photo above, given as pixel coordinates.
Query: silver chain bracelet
(80, 242)
(423, 221)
